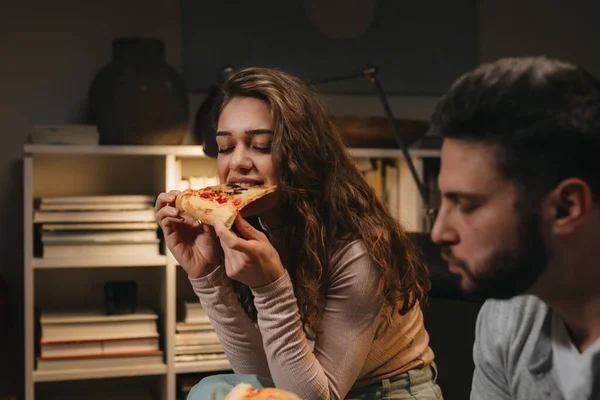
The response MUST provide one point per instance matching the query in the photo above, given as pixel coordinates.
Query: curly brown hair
(326, 198)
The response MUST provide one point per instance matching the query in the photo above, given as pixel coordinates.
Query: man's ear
(569, 203)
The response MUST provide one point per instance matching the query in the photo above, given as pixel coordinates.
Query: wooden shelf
(197, 151)
(202, 366)
(98, 262)
(46, 166)
(178, 151)
(97, 373)
(393, 153)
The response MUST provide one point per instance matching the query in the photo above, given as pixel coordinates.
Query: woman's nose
(240, 160)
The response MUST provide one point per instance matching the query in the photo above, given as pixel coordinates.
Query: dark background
(50, 52)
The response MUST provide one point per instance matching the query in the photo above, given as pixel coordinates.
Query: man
(519, 222)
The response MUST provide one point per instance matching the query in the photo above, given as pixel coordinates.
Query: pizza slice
(221, 202)
(244, 391)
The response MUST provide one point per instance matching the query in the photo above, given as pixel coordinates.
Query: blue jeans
(416, 384)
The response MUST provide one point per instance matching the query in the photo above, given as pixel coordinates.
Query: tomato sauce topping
(218, 196)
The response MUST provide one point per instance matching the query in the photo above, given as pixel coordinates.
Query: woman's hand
(252, 261)
(193, 244)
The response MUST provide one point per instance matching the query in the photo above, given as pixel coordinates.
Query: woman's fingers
(247, 230)
(206, 228)
(189, 220)
(232, 241)
(169, 222)
(226, 236)
(165, 199)
(167, 211)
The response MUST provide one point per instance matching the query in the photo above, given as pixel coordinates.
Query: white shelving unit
(63, 170)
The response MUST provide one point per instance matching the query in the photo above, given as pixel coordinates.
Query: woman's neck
(273, 219)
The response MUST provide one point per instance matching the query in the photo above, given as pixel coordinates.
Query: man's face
(487, 236)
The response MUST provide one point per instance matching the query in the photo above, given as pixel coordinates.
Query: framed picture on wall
(419, 48)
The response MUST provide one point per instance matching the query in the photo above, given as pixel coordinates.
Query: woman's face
(244, 137)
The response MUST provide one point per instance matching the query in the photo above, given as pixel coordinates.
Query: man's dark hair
(541, 115)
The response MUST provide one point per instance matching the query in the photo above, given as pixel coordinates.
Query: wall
(556, 28)
(50, 55)
(50, 52)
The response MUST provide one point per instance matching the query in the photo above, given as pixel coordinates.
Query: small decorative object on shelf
(65, 134)
(137, 98)
(376, 132)
(120, 297)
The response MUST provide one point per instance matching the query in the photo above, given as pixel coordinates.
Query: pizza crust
(208, 211)
(205, 211)
(244, 391)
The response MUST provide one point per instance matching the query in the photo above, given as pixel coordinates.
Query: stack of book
(89, 226)
(195, 337)
(198, 182)
(383, 176)
(64, 134)
(192, 181)
(92, 339)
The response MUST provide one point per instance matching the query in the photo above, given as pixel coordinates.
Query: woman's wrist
(201, 272)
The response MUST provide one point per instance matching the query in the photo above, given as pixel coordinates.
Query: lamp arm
(371, 74)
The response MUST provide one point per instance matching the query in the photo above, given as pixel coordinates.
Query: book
(97, 347)
(91, 236)
(197, 338)
(193, 326)
(392, 190)
(101, 361)
(190, 311)
(64, 134)
(199, 349)
(93, 206)
(109, 198)
(199, 182)
(75, 249)
(147, 215)
(200, 357)
(93, 315)
(65, 326)
(108, 226)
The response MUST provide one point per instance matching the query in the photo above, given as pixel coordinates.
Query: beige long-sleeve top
(344, 355)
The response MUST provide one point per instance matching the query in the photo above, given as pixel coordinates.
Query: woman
(322, 297)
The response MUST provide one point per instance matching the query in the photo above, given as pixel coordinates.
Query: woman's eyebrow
(248, 132)
(259, 132)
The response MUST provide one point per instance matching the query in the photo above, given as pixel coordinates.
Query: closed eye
(466, 202)
(467, 208)
(225, 150)
(261, 149)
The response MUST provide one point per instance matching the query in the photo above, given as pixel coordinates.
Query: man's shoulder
(516, 307)
(507, 321)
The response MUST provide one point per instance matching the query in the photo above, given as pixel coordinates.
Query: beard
(507, 272)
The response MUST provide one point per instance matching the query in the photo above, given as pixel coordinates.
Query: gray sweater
(513, 353)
